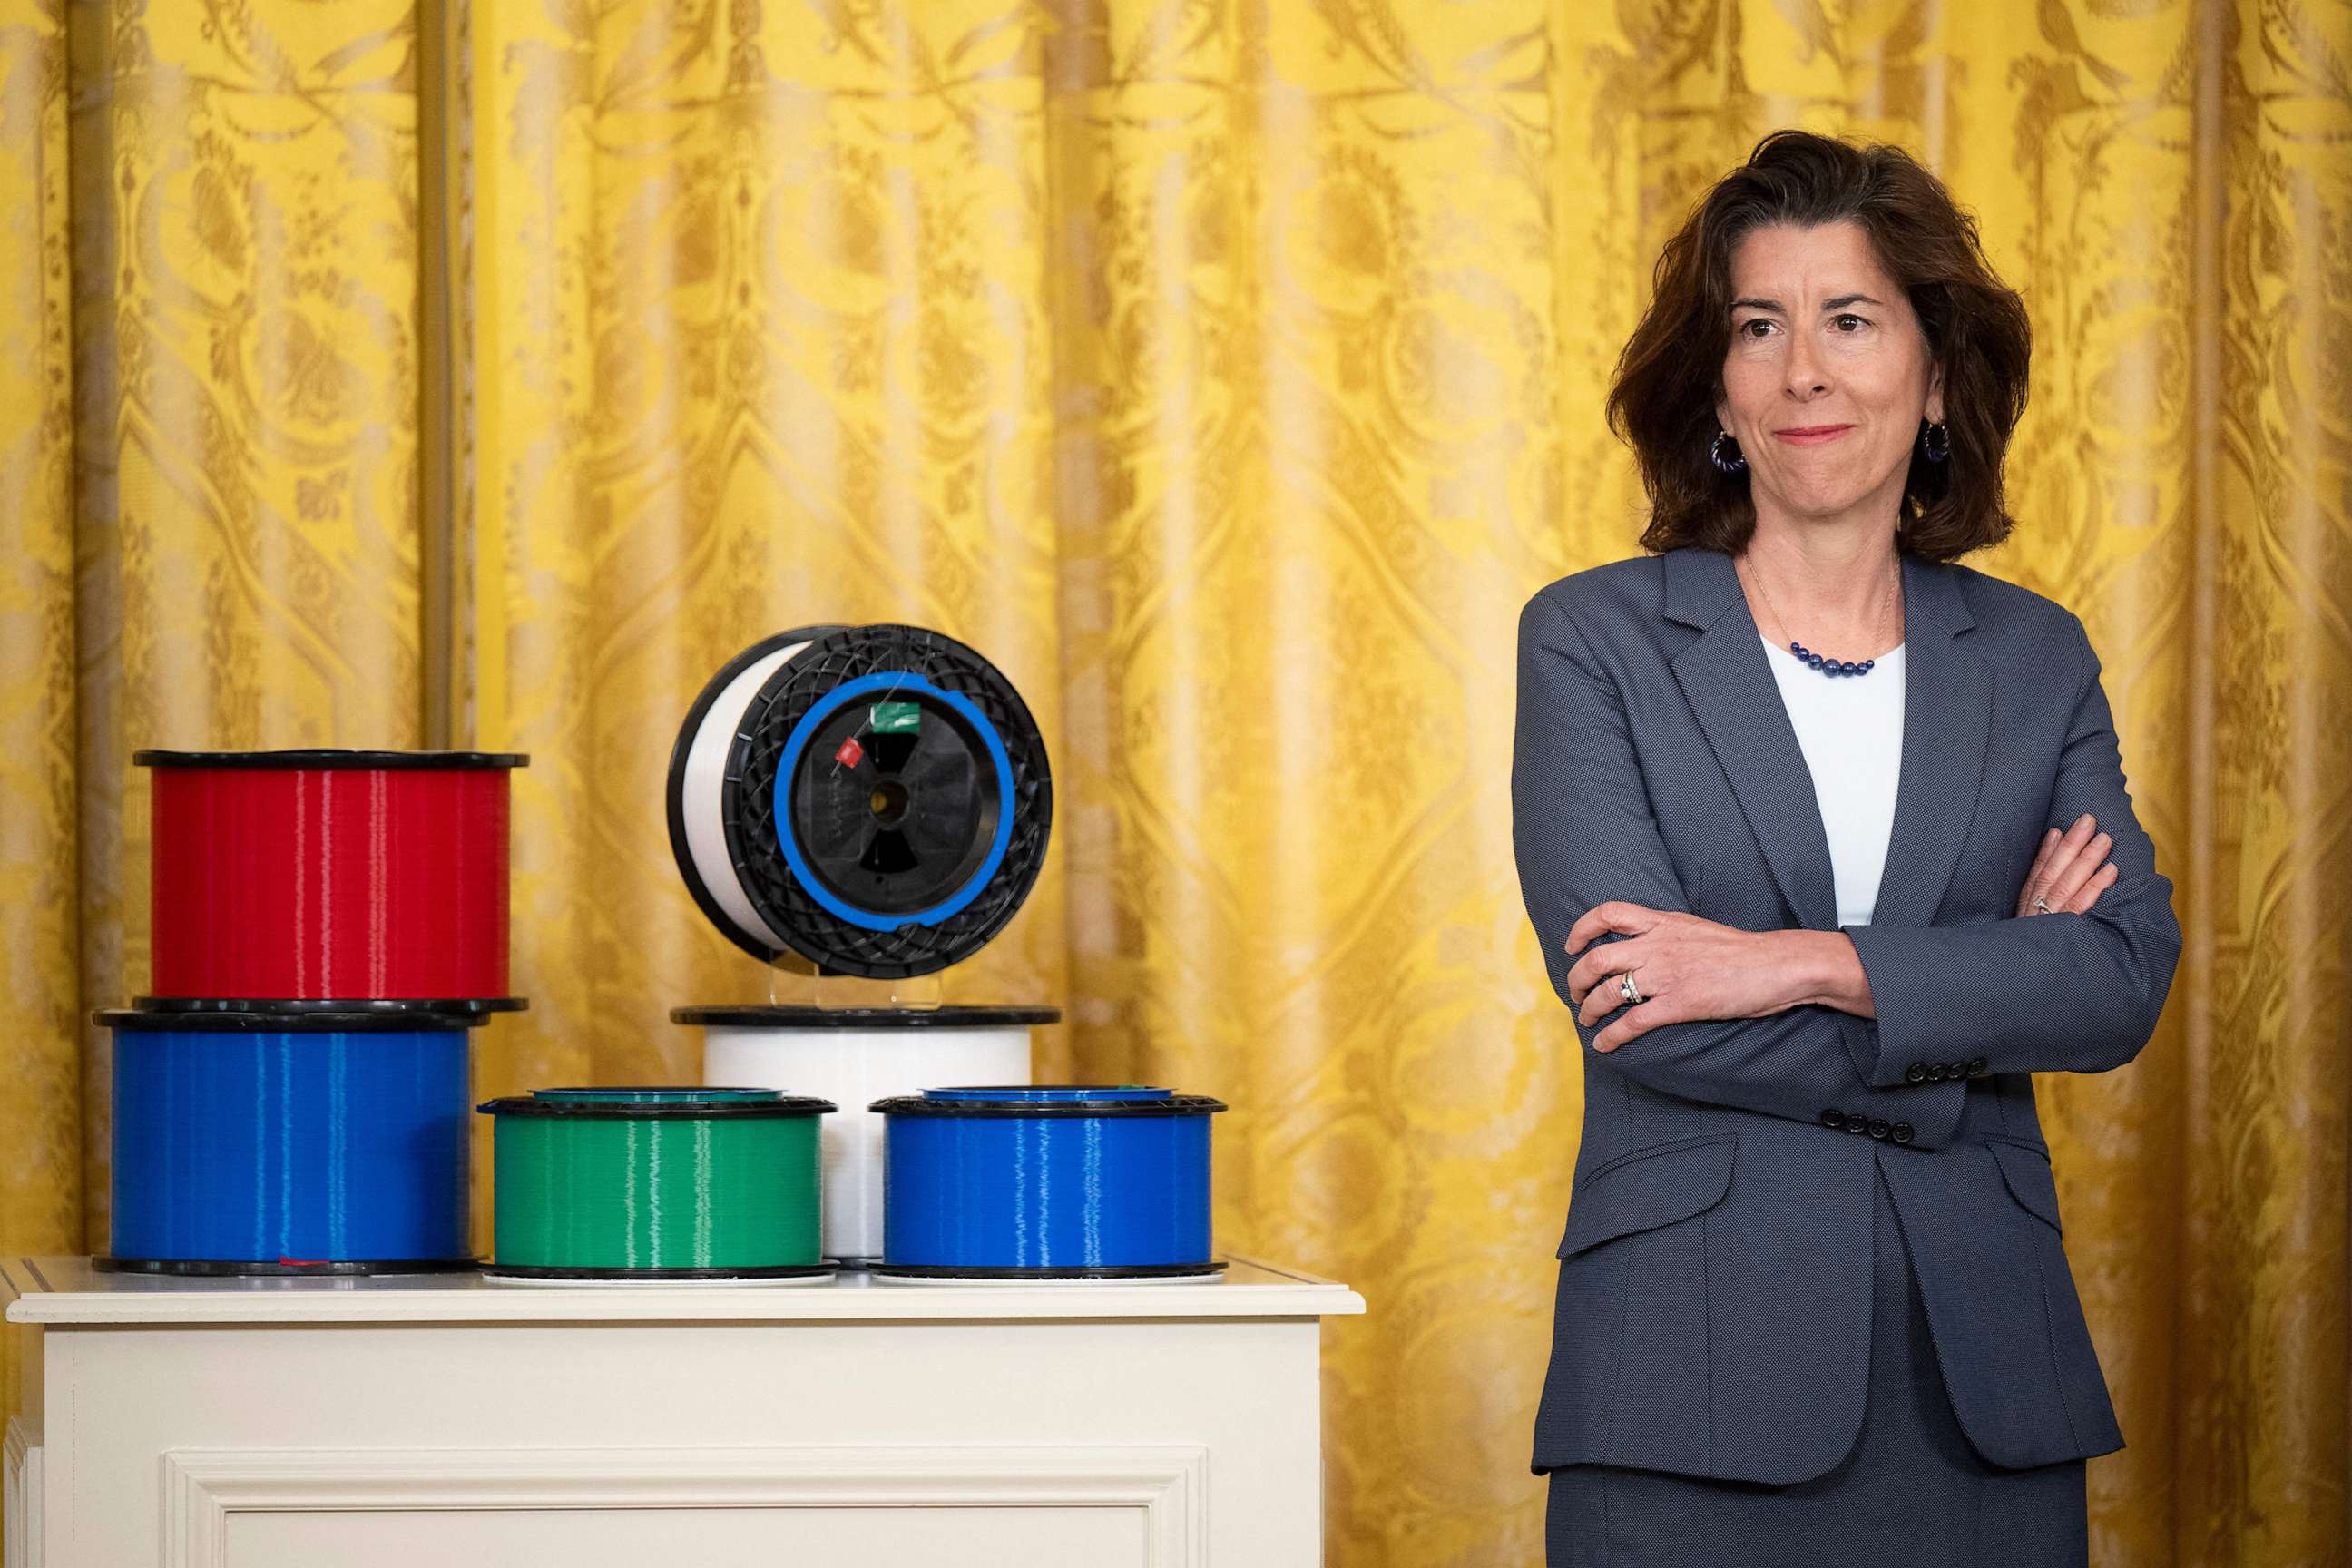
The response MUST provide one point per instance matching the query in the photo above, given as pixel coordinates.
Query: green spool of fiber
(680, 1185)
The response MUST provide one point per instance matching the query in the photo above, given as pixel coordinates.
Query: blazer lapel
(1726, 676)
(1727, 679)
(1947, 721)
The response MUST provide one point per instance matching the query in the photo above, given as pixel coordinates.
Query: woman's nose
(1804, 369)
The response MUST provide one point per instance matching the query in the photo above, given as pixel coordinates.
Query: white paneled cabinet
(254, 1424)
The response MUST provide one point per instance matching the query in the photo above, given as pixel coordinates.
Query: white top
(68, 1290)
(1851, 731)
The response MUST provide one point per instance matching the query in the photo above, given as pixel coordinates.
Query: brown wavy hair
(1670, 376)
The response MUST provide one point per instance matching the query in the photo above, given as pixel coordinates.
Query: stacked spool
(328, 926)
(852, 1056)
(1010, 1183)
(657, 1186)
(870, 801)
(875, 801)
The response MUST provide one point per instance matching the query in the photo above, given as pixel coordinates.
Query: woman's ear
(1934, 395)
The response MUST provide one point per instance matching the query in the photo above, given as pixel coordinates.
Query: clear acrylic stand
(793, 982)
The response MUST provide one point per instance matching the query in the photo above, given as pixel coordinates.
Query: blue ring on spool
(290, 1144)
(1047, 1182)
(833, 702)
(798, 742)
(748, 807)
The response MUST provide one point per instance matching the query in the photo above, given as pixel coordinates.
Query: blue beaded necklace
(1830, 667)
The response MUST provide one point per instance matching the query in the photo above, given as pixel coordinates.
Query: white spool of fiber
(873, 801)
(854, 1056)
(697, 776)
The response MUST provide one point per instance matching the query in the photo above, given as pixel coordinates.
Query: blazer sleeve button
(1857, 1125)
(1936, 1072)
(1903, 1133)
(1878, 1128)
(1976, 1067)
(1915, 1073)
(1833, 1119)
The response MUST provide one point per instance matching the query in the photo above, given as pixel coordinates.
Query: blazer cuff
(1911, 1041)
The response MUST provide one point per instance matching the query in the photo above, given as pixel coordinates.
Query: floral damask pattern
(208, 463)
(1230, 372)
(40, 926)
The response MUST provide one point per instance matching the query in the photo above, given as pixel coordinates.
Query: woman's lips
(1816, 435)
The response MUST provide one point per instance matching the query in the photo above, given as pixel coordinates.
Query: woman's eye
(1751, 322)
(1858, 320)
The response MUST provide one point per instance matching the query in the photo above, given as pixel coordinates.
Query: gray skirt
(1912, 1490)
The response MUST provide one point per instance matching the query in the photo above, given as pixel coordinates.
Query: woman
(1830, 851)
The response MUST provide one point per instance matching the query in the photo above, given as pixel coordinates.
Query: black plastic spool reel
(895, 825)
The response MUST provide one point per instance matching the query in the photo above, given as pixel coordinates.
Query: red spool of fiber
(330, 876)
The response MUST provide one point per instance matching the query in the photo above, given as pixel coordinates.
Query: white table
(430, 1418)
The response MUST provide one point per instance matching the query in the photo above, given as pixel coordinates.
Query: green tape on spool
(634, 1182)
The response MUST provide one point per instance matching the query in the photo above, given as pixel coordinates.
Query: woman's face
(1823, 339)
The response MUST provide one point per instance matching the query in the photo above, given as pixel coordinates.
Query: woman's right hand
(2072, 870)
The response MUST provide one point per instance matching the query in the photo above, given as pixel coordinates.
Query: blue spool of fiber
(290, 1142)
(1054, 1181)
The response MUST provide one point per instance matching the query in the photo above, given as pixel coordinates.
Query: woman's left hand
(1686, 968)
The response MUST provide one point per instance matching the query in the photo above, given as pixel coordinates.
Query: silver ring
(2045, 908)
(1628, 989)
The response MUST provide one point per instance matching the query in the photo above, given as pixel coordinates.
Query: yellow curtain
(209, 477)
(1229, 374)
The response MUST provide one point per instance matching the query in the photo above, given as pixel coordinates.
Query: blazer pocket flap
(2027, 1171)
(1648, 1188)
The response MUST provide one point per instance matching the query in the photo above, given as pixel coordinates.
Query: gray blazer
(1713, 1316)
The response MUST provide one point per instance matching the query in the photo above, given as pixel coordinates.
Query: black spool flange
(166, 1014)
(316, 759)
(653, 1276)
(470, 1007)
(231, 1268)
(788, 1016)
(944, 1271)
(908, 821)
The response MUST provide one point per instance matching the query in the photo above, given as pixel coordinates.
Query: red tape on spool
(335, 882)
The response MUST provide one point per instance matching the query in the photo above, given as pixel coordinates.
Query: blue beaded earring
(1735, 464)
(1935, 441)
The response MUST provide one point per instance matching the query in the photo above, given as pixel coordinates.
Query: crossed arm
(2073, 991)
(2063, 992)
